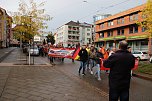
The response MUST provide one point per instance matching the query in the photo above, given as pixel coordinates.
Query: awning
(137, 37)
(112, 38)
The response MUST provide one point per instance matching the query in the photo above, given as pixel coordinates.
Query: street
(61, 82)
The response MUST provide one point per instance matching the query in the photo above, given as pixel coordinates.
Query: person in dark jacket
(98, 56)
(83, 59)
(120, 65)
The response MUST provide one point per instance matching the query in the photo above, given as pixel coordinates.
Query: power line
(103, 8)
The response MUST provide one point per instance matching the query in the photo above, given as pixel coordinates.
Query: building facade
(73, 33)
(123, 26)
(5, 28)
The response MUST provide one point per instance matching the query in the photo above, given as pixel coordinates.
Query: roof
(72, 23)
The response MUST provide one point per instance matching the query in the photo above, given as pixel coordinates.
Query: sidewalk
(5, 52)
(22, 83)
(17, 57)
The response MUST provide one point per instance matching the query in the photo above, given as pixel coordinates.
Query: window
(143, 16)
(88, 34)
(110, 33)
(131, 29)
(101, 35)
(123, 20)
(88, 29)
(143, 29)
(131, 18)
(110, 23)
(77, 38)
(88, 39)
(135, 29)
(118, 32)
(102, 25)
(122, 32)
(144, 42)
(135, 16)
(119, 21)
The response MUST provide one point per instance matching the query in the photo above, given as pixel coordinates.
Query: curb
(142, 77)
(5, 55)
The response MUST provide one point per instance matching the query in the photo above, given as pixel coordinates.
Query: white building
(73, 33)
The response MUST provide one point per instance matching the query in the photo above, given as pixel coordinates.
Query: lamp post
(32, 40)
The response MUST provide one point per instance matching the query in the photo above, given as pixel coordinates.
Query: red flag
(75, 54)
(135, 66)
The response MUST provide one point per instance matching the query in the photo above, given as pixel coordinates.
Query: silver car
(150, 60)
(141, 55)
(33, 51)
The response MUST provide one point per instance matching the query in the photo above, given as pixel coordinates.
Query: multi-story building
(5, 28)
(123, 26)
(96, 18)
(73, 33)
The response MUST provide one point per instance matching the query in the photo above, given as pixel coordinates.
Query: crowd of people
(120, 61)
(90, 57)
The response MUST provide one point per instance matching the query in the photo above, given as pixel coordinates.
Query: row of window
(73, 33)
(73, 37)
(121, 31)
(120, 20)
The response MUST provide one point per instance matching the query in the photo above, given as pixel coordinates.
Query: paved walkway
(35, 83)
(18, 58)
(5, 52)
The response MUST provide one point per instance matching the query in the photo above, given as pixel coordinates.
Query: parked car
(141, 55)
(24, 47)
(33, 51)
(150, 59)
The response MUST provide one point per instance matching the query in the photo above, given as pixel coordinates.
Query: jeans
(98, 70)
(82, 65)
(115, 94)
(92, 63)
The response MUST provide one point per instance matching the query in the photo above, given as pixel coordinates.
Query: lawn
(144, 67)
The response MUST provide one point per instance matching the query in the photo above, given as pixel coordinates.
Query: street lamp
(32, 40)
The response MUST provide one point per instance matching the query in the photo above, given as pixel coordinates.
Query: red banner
(135, 66)
(61, 52)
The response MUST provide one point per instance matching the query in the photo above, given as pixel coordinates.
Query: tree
(147, 21)
(31, 18)
(50, 39)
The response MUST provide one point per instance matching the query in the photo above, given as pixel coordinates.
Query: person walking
(98, 56)
(104, 52)
(120, 64)
(83, 59)
(88, 61)
(92, 58)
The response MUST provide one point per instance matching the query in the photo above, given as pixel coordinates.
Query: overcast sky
(64, 11)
